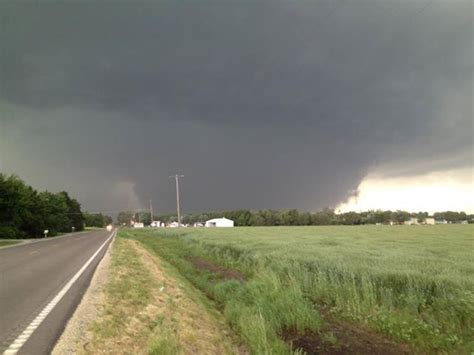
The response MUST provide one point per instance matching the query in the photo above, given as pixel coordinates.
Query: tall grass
(415, 283)
(258, 309)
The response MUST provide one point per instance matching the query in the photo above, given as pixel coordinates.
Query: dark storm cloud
(259, 104)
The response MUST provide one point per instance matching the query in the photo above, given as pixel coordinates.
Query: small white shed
(220, 222)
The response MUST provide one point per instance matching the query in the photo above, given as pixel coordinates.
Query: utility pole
(176, 177)
(151, 212)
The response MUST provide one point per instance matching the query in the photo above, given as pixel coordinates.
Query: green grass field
(413, 285)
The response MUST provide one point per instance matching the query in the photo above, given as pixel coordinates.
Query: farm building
(412, 221)
(220, 222)
(429, 220)
(415, 221)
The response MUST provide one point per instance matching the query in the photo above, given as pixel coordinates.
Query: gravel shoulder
(139, 304)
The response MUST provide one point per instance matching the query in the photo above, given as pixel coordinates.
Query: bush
(9, 233)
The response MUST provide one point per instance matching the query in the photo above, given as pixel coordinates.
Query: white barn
(220, 222)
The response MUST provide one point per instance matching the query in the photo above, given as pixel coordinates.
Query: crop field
(335, 289)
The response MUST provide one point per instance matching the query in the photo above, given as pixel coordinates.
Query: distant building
(441, 221)
(173, 225)
(156, 224)
(464, 222)
(412, 221)
(219, 222)
(430, 220)
(198, 224)
(138, 225)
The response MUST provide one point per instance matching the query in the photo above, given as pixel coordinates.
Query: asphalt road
(32, 274)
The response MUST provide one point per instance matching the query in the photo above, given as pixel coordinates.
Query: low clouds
(260, 105)
(438, 191)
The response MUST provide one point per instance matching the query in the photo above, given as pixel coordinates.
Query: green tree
(350, 218)
(422, 216)
(14, 200)
(25, 213)
(95, 220)
(56, 213)
(124, 218)
(108, 220)
(400, 216)
(324, 217)
(74, 213)
(143, 217)
(304, 219)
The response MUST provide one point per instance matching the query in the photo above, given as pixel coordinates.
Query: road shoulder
(145, 307)
(77, 334)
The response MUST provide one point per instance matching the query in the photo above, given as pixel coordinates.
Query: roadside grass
(414, 284)
(259, 310)
(4, 243)
(150, 309)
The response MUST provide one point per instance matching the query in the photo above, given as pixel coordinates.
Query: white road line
(29, 330)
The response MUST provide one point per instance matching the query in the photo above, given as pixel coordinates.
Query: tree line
(97, 220)
(293, 217)
(27, 213)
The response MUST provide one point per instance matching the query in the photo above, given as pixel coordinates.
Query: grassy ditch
(260, 310)
(150, 309)
(4, 243)
(342, 298)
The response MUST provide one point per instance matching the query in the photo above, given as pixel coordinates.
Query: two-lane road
(33, 276)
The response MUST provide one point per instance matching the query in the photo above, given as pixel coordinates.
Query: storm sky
(260, 104)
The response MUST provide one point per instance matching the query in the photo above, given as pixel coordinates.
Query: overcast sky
(260, 104)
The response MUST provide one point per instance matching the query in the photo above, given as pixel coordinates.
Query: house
(430, 220)
(220, 222)
(138, 225)
(412, 221)
(173, 225)
(156, 224)
(441, 221)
